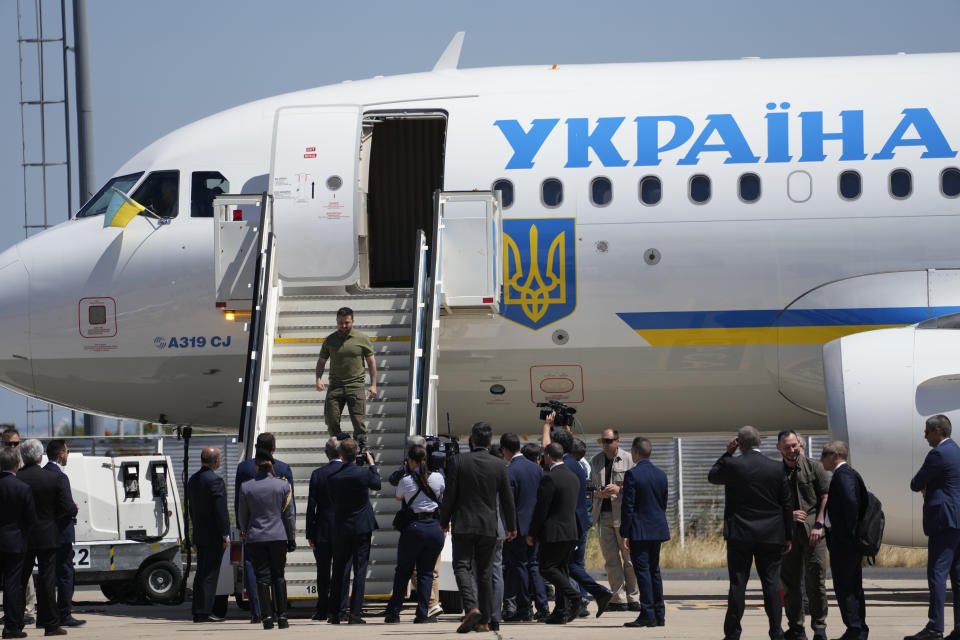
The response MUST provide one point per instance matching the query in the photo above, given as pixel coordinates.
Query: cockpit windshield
(97, 205)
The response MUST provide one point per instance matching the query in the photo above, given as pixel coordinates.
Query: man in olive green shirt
(347, 349)
(807, 559)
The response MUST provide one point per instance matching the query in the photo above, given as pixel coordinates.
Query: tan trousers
(435, 590)
(623, 581)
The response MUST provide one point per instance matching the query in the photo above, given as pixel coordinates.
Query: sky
(157, 66)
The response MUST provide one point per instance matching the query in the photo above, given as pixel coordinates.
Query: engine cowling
(881, 386)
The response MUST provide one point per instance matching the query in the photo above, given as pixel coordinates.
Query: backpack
(869, 533)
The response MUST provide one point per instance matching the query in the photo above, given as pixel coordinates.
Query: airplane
(680, 242)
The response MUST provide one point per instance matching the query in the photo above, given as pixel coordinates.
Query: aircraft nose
(16, 372)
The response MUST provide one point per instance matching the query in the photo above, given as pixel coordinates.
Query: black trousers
(846, 567)
(474, 552)
(205, 579)
(65, 581)
(740, 555)
(555, 569)
(323, 555)
(269, 560)
(46, 585)
(12, 569)
(349, 550)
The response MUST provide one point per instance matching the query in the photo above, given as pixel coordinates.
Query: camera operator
(578, 571)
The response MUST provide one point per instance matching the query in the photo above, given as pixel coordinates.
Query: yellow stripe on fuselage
(753, 335)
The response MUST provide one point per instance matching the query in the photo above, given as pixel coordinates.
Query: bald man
(207, 499)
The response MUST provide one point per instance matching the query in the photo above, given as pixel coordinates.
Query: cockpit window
(97, 205)
(160, 193)
(206, 185)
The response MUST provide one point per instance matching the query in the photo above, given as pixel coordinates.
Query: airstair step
(387, 355)
(314, 408)
(306, 391)
(308, 425)
(384, 332)
(306, 376)
(368, 319)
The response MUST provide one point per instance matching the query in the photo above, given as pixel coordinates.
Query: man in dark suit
(474, 481)
(757, 520)
(353, 520)
(57, 453)
(554, 526)
(320, 525)
(939, 480)
(844, 501)
(578, 569)
(245, 471)
(17, 517)
(43, 538)
(520, 560)
(643, 527)
(207, 497)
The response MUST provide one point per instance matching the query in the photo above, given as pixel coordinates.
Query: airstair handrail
(259, 314)
(430, 380)
(417, 334)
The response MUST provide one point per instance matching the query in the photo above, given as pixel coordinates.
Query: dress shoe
(603, 601)
(29, 619)
(72, 622)
(283, 622)
(434, 611)
(494, 625)
(518, 617)
(469, 621)
(661, 622)
(319, 617)
(925, 634)
(353, 618)
(267, 623)
(617, 606)
(391, 618)
(584, 612)
(208, 618)
(540, 615)
(641, 622)
(427, 620)
(795, 633)
(482, 628)
(953, 635)
(333, 620)
(556, 618)
(634, 606)
(55, 631)
(11, 633)
(255, 619)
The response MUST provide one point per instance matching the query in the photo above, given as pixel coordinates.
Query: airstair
(288, 324)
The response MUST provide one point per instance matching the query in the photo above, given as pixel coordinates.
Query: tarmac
(696, 603)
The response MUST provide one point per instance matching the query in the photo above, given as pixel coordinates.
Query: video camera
(439, 451)
(564, 417)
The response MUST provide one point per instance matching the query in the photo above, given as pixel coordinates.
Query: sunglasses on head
(12, 443)
(608, 440)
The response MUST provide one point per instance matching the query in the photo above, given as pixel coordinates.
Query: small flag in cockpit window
(121, 210)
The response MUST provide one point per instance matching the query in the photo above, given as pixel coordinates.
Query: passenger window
(505, 187)
(650, 190)
(699, 189)
(97, 205)
(901, 183)
(749, 187)
(551, 192)
(601, 192)
(950, 182)
(205, 186)
(850, 185)
(160, 193)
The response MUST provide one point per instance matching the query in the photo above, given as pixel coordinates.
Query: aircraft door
(313, 180)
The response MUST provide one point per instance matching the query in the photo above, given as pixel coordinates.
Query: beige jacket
(622, 463)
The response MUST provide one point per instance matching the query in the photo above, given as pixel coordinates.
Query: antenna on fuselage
(451, 55)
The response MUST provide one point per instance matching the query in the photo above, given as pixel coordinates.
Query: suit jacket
(555, 518)
(51, 503)
(248, 469)
(758, 506)
(207, 495)
(18, 514)
(267, 512)
(65, 524)
(940, 475)
(524, 483)
(622, 462)
(320, 526)
(643, 513)
(349, 492)
(583, 511)
(843, 507)
(474, 481)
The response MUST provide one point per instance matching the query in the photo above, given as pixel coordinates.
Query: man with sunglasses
(608, 469)
(10, 438)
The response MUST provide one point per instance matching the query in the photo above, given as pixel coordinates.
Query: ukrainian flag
(121, 210)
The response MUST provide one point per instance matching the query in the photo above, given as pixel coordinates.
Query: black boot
(266, 607)
(280, 602)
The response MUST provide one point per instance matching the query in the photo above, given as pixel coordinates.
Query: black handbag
(405, 515)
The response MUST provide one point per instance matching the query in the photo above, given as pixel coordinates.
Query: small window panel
(551, 193)
(601, 192)
(950, 182)
(850, 185)
(160, 193)
(97, 205)
(505, 187)
(700, 189)
(749, 187)
(98, 317)
(204, 187)
(901, 183)
(651, 191)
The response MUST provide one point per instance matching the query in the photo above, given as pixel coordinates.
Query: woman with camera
(421, 538)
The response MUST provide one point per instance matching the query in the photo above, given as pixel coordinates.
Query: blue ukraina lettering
(721, 133)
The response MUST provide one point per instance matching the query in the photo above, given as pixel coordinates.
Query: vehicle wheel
(242, 602)
(450, 602)
(118, 591)
(220, 606)
(160, 581)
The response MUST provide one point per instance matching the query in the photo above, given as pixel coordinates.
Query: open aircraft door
(313, 181)
(471, 253)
